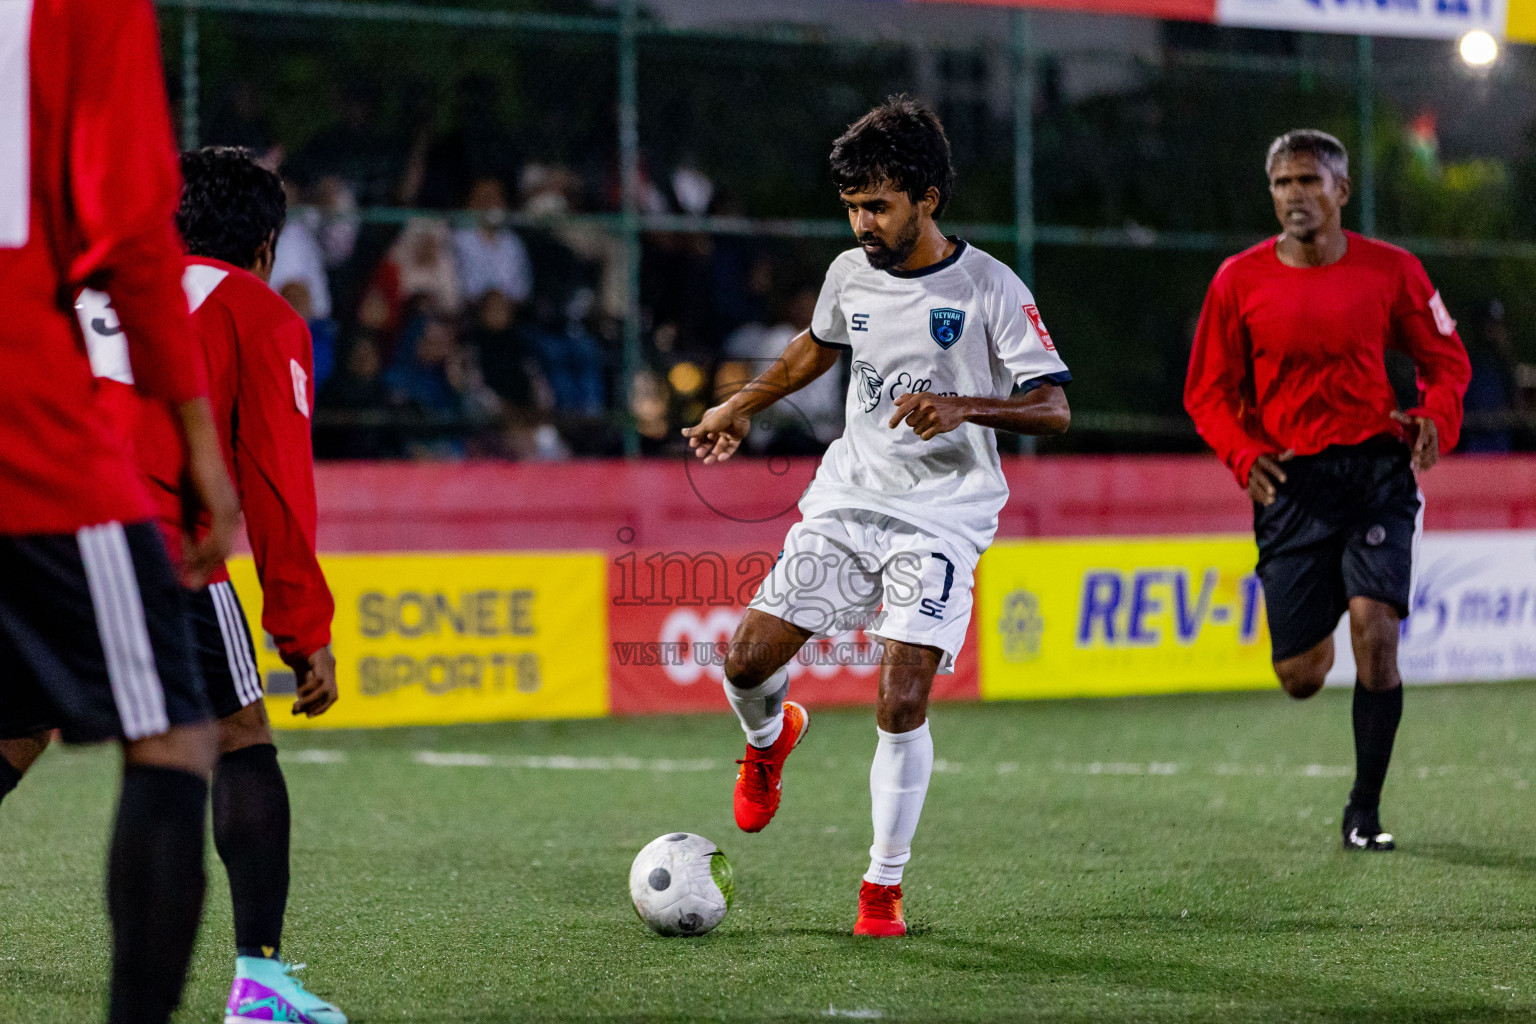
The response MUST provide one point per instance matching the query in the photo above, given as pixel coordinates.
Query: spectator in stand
(648, 405)
(298, 268)
(434, 376)
(428, 374)
(571, 255)
(692, 189)
(358, 388)
(740, 273)
(319, 236)
(336, 208)
(572, 359)
(805, 422)
(417, 273)
(498, 347)
(510, 371)
(444, 165)
(490, 256)
(299, 276)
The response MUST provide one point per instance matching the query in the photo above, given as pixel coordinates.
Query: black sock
(250, 831)
(9, 777)
(1376, 716)
(155, 889)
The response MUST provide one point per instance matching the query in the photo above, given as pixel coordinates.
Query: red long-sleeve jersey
(1294, 358)
(260, 372)
(88, 186)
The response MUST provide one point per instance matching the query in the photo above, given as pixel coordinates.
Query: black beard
(887, 257)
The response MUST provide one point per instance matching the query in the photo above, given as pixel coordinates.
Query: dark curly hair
(901, 141)
(230, 204)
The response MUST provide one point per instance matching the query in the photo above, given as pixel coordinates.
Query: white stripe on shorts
(114, 585)
(237, 643)
(1413, 569)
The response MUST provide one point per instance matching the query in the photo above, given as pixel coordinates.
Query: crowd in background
(455, 335)
(452, 335)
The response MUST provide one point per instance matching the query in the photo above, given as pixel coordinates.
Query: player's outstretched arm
(1042, 411)
(722, 429)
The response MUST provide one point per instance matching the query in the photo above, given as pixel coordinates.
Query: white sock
(761, 709)
(898, 781)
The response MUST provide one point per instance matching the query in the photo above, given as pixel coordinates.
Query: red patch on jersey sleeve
(1033, 312)
(300, 387)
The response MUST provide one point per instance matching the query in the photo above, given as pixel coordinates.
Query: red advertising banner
(671, 615)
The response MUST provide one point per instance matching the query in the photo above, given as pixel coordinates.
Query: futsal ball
(681, 884)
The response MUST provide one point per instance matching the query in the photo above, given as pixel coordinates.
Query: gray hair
(1324, 148)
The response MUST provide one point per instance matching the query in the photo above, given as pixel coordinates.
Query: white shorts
(853, 569)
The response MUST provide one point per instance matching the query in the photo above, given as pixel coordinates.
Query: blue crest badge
(946, 326)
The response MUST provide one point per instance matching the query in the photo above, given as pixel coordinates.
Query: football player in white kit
(947, 346)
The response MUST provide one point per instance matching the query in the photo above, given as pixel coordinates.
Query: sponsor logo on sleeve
(300, 387)
(1443, 322)
(1033, 312)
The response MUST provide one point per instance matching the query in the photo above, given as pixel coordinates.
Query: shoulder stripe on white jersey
(114, 585)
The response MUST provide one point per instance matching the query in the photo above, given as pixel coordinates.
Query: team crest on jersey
(946, 326)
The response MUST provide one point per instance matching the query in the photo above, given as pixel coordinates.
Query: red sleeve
(1423, 328)
(124, 186)
(1215, 390)
(275, 471)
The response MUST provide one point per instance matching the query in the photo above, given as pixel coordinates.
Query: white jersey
(964, 326)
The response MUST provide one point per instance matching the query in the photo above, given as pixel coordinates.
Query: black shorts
(1344, 524)
(222, 641)
(93, 636)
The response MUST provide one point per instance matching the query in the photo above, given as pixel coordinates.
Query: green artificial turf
(1161, 859)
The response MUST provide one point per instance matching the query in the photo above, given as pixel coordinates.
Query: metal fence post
(1023, 71)
(1365, 82)
(191, 84)
(1022, 68)
(629, 170)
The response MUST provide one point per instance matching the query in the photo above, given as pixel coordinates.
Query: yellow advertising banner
(1520, 21)
(435, 639)
(1080, 618)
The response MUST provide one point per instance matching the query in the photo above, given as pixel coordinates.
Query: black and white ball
(681, 884)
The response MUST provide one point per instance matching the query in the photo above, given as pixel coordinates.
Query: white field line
(559, 762)
(314, 757)
(563, 762)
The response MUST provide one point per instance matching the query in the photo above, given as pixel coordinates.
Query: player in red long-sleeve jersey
(1288, 383)
(92, 632)
(257, 353)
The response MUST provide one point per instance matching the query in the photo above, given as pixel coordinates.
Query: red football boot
(758, 782)
(880, 911)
